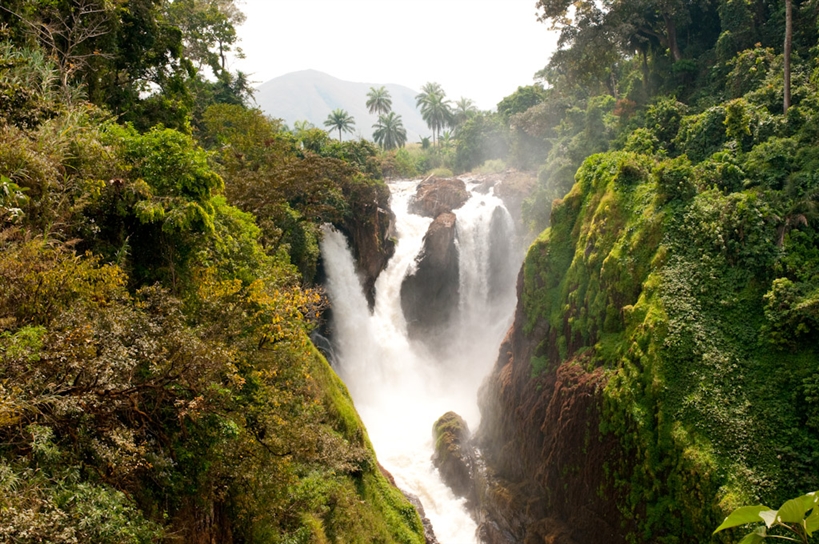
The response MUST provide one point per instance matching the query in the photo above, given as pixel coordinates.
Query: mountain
(312, 95)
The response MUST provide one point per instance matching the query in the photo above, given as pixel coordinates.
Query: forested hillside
(158, 244)
(159, 269)
(667, 320)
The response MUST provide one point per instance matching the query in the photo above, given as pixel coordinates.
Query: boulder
(455, 457)
(429, 295)
(435, 196)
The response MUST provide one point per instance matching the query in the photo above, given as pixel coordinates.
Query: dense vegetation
(158, 240)
(685, 257)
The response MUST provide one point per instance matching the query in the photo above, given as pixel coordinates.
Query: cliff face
(640, 393)
(547, 463)
(429, 296)
(543, 454)
(370, 227)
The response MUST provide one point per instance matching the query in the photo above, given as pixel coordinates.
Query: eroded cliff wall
(640, 394)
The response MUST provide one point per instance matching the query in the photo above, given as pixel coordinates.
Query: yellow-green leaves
(789, 518)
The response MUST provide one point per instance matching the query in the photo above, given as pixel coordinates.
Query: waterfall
(399, 388)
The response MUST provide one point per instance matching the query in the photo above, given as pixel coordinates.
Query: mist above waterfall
(401, 386)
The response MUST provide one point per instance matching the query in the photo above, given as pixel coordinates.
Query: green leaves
(754, 538)
(793, 511)
(742, 516)
(389, 131)
(340, 120)
(789, 518)
(812, 522)
(12, 200)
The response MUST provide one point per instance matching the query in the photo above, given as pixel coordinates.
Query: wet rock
(543, 458)
(435, 196)
(371, 235)
(455, 457)
(429, 534)
(429, 296)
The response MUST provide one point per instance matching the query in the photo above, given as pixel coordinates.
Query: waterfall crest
(400, 387)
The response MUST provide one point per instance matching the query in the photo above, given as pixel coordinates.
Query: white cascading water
(398, 388)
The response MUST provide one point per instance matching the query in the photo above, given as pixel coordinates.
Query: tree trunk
(671, 30)
(645, 72)
(788, 39)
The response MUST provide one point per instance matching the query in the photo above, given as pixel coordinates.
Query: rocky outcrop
(429, 534)
(371, 240)
(542, 449)
(455, 457)
(435, 196)
(429, 295)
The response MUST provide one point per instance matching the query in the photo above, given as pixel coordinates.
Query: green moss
(581, 272)
(673, 291)
(357, 508)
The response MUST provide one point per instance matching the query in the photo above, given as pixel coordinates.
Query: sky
(478, 49)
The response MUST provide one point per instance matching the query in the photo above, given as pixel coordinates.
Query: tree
(341, 120)
(389, 131)
(209, 30)
(70, 35)
(302, 125)
(787, 52)
(482, 138)
(379, 100)
(521, 100)
(464, 110)
(435, 108)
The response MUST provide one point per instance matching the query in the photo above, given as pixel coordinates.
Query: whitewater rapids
(398, 388)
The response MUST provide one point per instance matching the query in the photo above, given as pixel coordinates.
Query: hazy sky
(479, 49)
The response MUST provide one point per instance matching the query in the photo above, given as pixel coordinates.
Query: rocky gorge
(603, 412)
(624, 404)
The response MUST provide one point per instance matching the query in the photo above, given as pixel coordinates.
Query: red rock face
(544, 455)
(435, 196)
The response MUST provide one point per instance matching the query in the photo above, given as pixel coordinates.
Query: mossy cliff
(661, 367)
(362, 507)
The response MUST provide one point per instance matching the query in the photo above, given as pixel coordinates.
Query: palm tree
(302, 126)
(340, 120)
(446, 140)
(379, 100)
(428, 89)
(435, 109)
(389, 131)
(464, 110)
